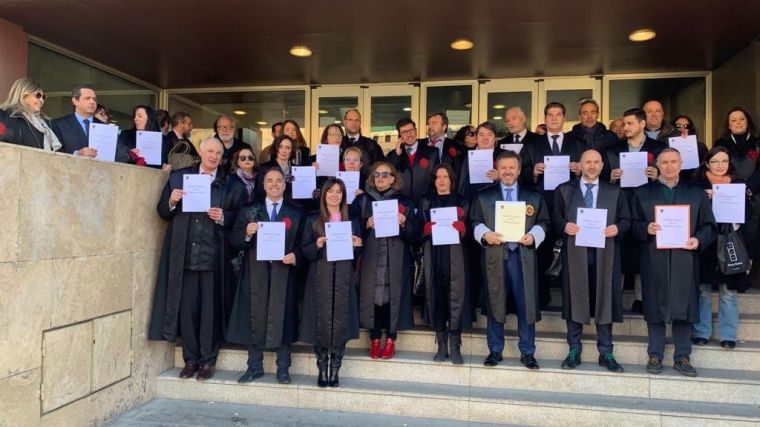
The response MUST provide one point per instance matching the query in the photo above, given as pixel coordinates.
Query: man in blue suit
(73, 130)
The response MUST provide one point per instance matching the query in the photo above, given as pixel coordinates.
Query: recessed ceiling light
(407, 109)
(239, 112)
(261, 123)
(499, 107)
(462, 44)
(642, 35)
(497, 117)
(300, 51)
(337, 122)
(322, 111)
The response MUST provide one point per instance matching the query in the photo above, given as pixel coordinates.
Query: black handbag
(555, 269)
(732, 254)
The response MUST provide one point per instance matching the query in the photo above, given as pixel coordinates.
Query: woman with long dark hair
(282, 157)
(143, 120)
(330, 315)
(300, 147)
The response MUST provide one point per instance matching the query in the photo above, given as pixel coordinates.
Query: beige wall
(79, 248)
(737, 84)
(14, 48)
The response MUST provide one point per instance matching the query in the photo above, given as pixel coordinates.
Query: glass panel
(386, 111)
(254, 112)
(678, 96)
(500, 102)
(455, 101)
(331, 110)
(571, 99)
(58, 74)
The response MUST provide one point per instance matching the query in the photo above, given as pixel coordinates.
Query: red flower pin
(650, 157)
(424, 163)
(752, 154)
(452, 152)
(287, 222)
(2, 129)
(460, 212)
(402, 209)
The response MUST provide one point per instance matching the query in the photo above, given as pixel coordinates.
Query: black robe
(399, 262)
(608, 306)
(670, 277)
(417, 178)
(496, 301)
(465, 190)
(449, 260)
(371, 151)
(225, 193)
(330, 314)
(264, 313)
(451, 153)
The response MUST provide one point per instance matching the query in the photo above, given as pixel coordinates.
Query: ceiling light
(499, 107)
(322, 111)
(497, 117)
(300, 51)
(462, 44)
(407, 109)
(239, 112)
(642, 35)
(261, 123)
(337, 122)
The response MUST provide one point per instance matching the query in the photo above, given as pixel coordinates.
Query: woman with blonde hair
(23, 118)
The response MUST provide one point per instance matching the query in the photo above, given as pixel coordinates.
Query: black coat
(571, 146)
(670, 277)
(264, 313)
(452, 153)
(19, 131)
(330, 315)
(529, 140)
(236, 146)
(576, 302)
(467, 191)
(70, 133)
(371, 151)
(228, 195)
(171, 139)
(600, 139)
(128, 141)
(418, 177)
(262, 171)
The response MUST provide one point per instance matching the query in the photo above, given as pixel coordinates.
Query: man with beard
(224, 127)
(448, 149)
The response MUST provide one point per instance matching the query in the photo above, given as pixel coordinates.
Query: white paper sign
(634, 166)
(674, 226)
(728, 203)
(385, 214)
(591, 224)
(304, 181)
(688, 149)
(270, 241)
(103, 138)
(149, 144)
(556, 171)
(328, 157)
(443, 232)
(339, 244)
(351, 180)
(480, 162)
(512, 147)
(197, 197)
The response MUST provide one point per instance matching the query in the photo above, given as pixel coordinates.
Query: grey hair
(518, 109)
(210, 139)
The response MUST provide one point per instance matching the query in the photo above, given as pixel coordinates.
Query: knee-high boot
(336, 360)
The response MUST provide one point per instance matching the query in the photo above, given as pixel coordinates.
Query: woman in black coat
(23, 122)
(143, 119)
(330, 315)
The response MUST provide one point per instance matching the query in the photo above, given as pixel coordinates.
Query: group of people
(212, 288)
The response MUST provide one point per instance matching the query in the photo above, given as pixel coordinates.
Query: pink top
(336, 217)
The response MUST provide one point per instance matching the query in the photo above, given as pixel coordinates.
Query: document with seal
(197, 197)
(556, 171)
(674, 221)
(351, 180)
(304, 181)
(688, 149)
(634, 167)
(270, 241)
(149, 144)
(509, 220)
(385, 214)
(728, 203)
(339, 244)
(103, 138)
(443, 232)
(328, 157)
(591, 224)
(480, 162)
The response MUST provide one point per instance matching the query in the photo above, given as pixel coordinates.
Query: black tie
(517, 139)
(86, 127)
(555, 146)
(353, 141)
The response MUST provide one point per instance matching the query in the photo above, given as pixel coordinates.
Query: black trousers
(681, 339)
(197, 317)
(256, 357)
(382, 321)
(442, 303)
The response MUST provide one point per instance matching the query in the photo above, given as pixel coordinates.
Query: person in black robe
(413, 160)
(144, 119)
(511, 276)
(385, 296)
(282, 158)
(447, 296)
(330, 316)
(332, 135)
(189, 289)
(591, 277)
(449, 150)
(670, 277)
(371, 150)
(224, 126)
(264, 314)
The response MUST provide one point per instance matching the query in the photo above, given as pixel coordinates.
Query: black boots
(322, 360)
(336, 359)
(455, 349)
(443, 351)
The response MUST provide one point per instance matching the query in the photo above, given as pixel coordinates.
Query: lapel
(76, 127)
(527, 196)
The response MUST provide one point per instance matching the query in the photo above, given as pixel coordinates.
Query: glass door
(570, 92)
(329, 104)
(498, 96)
(457, 99)
(384, 105)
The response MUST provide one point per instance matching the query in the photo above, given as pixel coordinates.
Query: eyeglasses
(682, 126)
(40, 95)
(225, 127)
(471, 133)
(381, 174)
(245, 158)
(718, 162)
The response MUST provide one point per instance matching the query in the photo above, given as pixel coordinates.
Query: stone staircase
(727, 390)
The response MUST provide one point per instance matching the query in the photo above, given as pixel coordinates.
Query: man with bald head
(657, 127)
(591, 277)
(188, 294)
(518, 131)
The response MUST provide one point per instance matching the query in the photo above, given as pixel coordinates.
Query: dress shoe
(189, 371)
(609, 362)
(443, 351)
(654, 366)
(637, 307)
(455, 345)
(529, 361)
(374, 351)
(206, 372)
(699, 341)
(684, 367)
(572, 360)
(493, 359)
(282, 376)
(389, 350)
(728, 345)
(250, 375)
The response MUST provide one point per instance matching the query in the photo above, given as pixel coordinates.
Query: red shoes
(374, 351)
(389, 350)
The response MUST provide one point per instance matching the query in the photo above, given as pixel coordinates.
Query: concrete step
(712, 385)
(462, 403)
(749, 302)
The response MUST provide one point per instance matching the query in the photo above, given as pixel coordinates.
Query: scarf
(51, 142)
(715, 179)
(248, 179)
